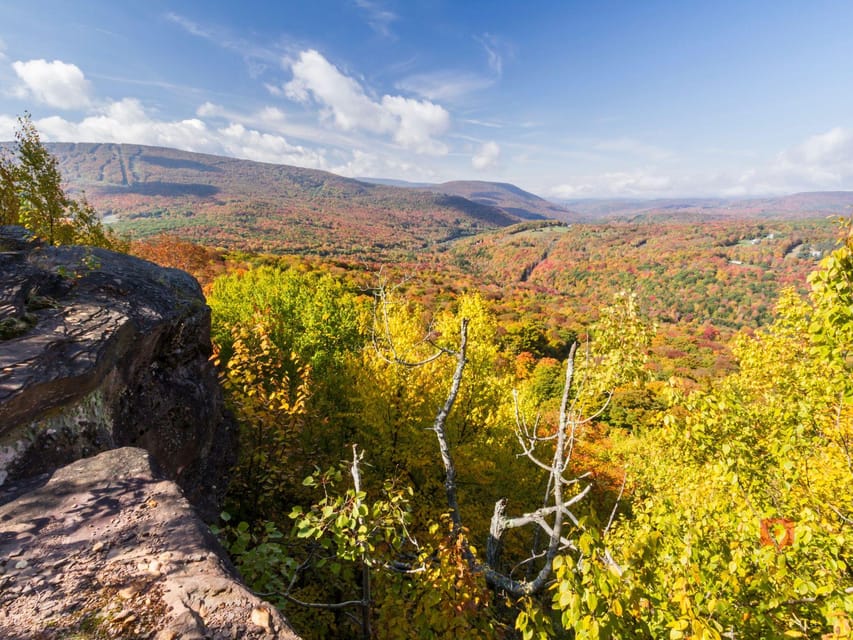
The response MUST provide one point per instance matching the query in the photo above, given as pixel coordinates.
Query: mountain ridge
(790, 206)
(261, 206)
(234, 203)
(504, 195)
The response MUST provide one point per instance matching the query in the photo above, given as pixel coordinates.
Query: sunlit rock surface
(105, 548)
(100, 350)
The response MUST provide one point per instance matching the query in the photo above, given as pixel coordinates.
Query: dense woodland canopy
(715, 505)
(626, 430)
(713, 478)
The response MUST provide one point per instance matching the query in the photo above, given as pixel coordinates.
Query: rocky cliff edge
(105, 548)
(98, 539)
(100, 350)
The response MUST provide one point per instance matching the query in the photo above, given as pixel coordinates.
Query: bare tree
(563, 491)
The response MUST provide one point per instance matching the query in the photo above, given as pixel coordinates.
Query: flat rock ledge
(106, 548)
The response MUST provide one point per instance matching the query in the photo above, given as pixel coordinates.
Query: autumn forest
(461, 420)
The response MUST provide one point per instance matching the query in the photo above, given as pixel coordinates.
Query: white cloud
(821, 162)
(189, 26)
(487, 156)
(241, 142)
(494, 48)
(267, 117)
(484, 123)
(58, 84)
(444, 85)
(127, 121)
(410, 123)
(831, 151)
(2, 50)
(342, 98)
(378, 18)
(417, 122)
(613, 184)
(364, 164)
(274, 90)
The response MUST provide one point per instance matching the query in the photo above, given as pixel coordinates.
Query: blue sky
(566, 99)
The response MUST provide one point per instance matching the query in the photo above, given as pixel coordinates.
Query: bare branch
(615, 505)
(441, 434)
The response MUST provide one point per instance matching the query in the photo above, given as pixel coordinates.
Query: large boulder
(100, 350)
(105, 548)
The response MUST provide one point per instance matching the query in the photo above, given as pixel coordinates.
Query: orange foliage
(201, 262)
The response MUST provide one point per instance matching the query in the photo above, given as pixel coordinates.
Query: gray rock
(101, 350)
(151, 584)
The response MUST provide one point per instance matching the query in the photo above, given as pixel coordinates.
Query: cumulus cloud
(417, 121)
(237, 140)
(57, 84)
(412, 124)
(487, 156)
(127, 121)
(825, 159)
(342, 98)
(365, 164)
(821, 162)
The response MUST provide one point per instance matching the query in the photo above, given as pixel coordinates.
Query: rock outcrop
(100, 350)
(105, 548)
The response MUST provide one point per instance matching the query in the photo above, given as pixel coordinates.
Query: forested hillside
(463, 480)
(255, 206)
(623, 430)
(704, 473)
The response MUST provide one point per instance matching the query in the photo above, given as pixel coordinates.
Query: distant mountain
(820, 203)
(390, 182)
(511, 199)
(508, 197)
(798, 205)
(252, 205)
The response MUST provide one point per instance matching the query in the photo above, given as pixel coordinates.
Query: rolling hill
(794, 206)
(257, 206)
(507, 197)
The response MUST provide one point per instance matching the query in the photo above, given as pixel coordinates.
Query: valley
(335, 310)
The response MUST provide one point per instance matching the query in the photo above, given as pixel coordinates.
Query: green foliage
(832, 297)
(442, 600)
(269, 403)
(740, 517)
(260, 553)
(740, 498)
(395, 404)
(350, 529)
(31, 195)
(310, 314)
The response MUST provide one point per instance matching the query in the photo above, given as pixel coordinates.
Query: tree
(742, 500)
(617, 355)
(31, 195)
